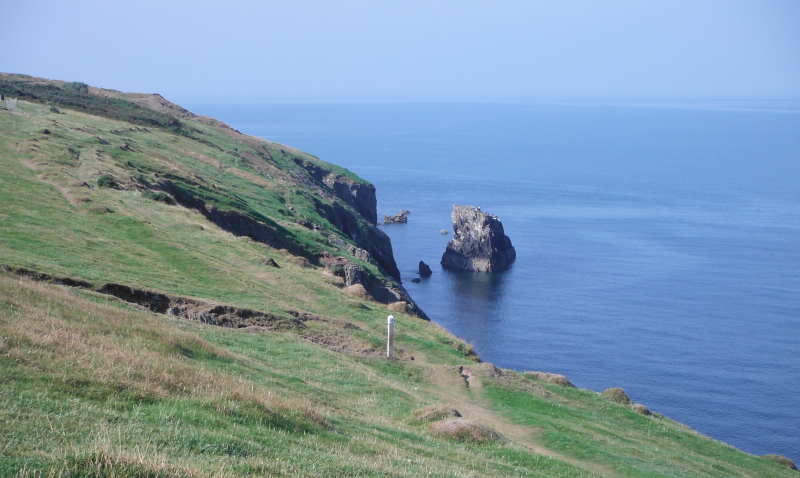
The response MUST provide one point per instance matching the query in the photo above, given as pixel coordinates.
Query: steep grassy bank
(94, 385)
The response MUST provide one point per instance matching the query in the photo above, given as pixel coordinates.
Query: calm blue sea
(658, 244)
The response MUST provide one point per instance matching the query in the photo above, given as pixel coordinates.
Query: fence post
(390, 341)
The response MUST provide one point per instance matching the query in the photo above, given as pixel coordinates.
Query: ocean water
(658, 244)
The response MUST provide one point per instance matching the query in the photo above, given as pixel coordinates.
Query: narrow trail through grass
(455, 391)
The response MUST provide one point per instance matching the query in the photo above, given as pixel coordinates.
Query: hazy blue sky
(411, 49)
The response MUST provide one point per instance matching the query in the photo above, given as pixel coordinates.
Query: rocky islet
(479, 242)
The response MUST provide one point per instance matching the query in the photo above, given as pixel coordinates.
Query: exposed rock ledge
(395, 218)
(355, 213)
(479, 242)
(220, 315)
(361, 196)
(358, 281)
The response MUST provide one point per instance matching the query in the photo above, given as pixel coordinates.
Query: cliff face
(361, 196)
(479, 242)
(363, 204)
(374, 245)
(366, 236)
(352, 208)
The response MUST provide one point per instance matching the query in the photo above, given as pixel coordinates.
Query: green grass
(95, 387)
(187, 397)
(590, 427)
(162, 247)
(75, 95)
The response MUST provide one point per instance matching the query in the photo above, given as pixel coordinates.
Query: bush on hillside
(159, 196)
(75, 95)
(78, 86)
(107, 181)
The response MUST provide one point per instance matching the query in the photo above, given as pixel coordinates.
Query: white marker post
(390, 342)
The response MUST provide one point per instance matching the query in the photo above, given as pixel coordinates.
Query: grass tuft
(617, 395)
(107, 181)
(464, 430)
(436, 412)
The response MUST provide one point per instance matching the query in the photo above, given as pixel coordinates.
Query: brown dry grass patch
(94, 347)
(617, 395)
(109, 461)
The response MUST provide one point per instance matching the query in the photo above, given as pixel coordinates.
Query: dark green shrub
(142, 179)
(54, 109)
(107, 181)
(159, 196)
(78, 86)
(75, 95)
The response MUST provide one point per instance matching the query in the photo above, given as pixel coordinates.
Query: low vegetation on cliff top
(97, 381)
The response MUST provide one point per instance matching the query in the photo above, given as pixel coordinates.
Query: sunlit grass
(92, 386)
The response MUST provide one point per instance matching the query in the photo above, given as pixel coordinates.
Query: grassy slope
(95, 386)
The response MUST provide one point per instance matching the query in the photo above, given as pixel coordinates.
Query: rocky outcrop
(371, 286)
(361, 196)
(424, 269)
(352, 208)
(367, 236)
(479, 242)
(617, 394)
(357, 252)
(328, 332)
(396, 218)
(552, 378)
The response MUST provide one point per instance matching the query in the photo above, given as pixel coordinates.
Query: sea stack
(424, 269)
(479, 242)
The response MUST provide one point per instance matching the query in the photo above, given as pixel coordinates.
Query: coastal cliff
(181, 299)
(309, 195)
(358, 194)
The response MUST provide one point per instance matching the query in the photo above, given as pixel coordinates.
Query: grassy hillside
(97, 382)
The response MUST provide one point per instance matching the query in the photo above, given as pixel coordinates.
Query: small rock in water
(401, 217)
(424, 269)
